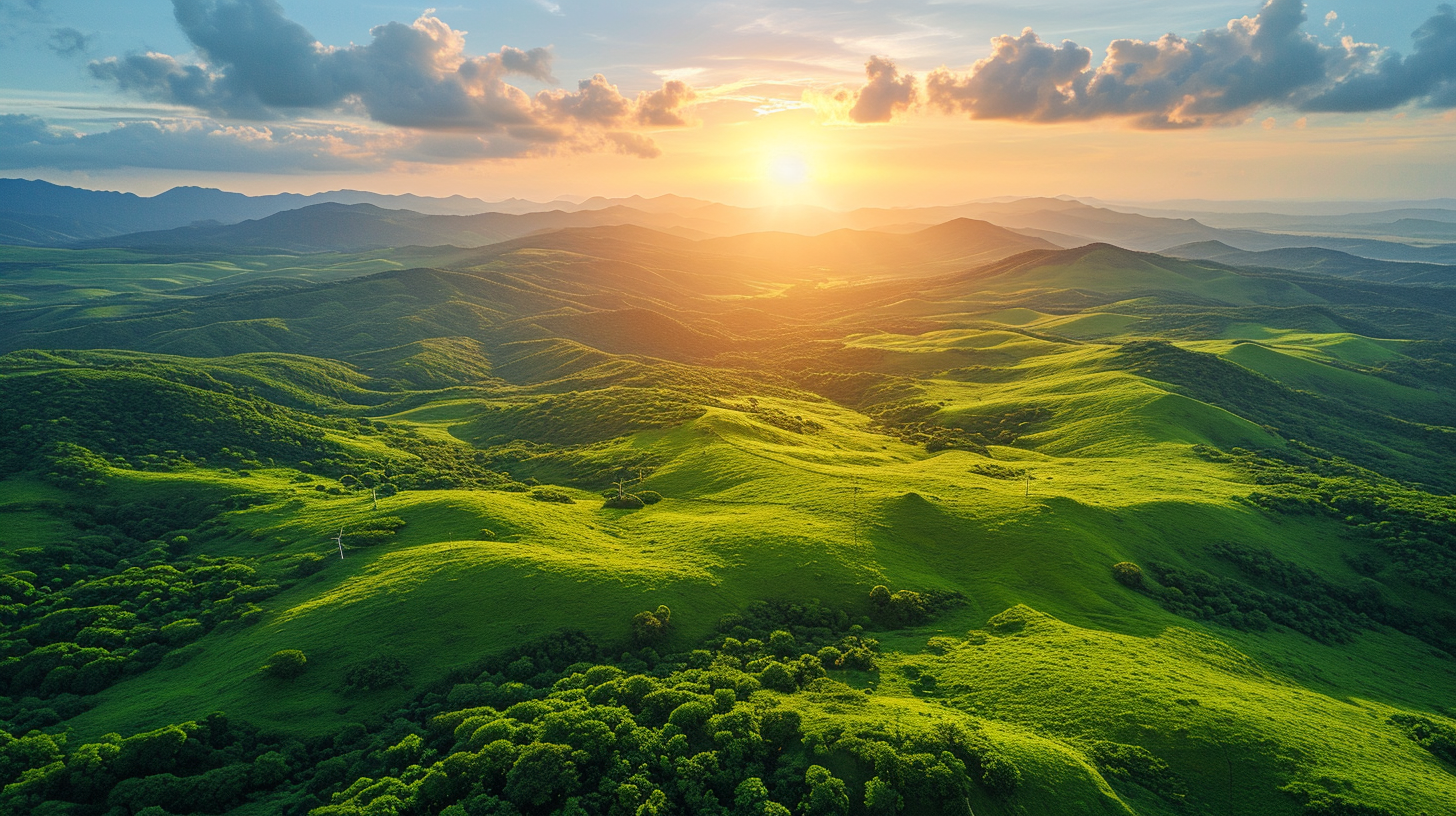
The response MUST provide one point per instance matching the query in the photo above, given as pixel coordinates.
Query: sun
(789, 170)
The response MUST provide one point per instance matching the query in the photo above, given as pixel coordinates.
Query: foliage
(907, 608)
(1133, 763)
(583, 417)
(552, 495)
(286, 664)
(1128, 574)
(1437, 737)
(651, 628)
(375, 673)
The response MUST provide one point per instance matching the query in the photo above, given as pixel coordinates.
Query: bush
(626, 501)
(375, 673)
(649, 496)
(551, 494)
(650, 628)
(309, 564)
(1128, 574)
(286, 664)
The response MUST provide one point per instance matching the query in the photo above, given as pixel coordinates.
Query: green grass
(826, 509)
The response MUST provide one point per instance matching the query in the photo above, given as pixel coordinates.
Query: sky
(841, 104)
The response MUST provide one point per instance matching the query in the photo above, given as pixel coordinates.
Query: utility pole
(339, 539)
(374, 495)
(1028, 484)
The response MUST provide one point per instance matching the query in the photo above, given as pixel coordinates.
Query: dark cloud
(1427, 76)
(1221, 76)
(69, 42)
(257, 64)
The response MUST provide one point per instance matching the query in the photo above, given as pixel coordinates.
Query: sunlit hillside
(1004, 528)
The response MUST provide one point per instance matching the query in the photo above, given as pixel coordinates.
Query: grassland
(1002, 436)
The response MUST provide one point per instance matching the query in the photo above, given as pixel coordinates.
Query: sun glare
(789, 170)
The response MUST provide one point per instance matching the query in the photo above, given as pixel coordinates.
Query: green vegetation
(539, 532)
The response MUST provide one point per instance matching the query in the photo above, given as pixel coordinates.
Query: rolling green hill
(1075, 531)
(1322, 261)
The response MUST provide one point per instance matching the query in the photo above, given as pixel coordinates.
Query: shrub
(880, 596)
(650, 628)
(649, 496)
(1128, 574)
(375, 673)
(286, 664)
(309, 564)
(626, 501)
(551, 494)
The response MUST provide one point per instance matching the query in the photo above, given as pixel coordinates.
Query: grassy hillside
(523, 459)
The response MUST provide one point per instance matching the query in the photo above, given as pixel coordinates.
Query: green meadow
(522, 457)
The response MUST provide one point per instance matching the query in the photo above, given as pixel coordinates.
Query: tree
(827, 795)
(286, 664)
(1128, 574)
(880, 596)
(541, 775)
(650, 628)
(881, 799)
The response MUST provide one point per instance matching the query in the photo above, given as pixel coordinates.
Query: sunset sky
(746, 101)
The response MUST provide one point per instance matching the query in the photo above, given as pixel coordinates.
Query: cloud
(69, 41)
(884, 94)
(1427, 76)
(1219, 77)
(665, 106)
(1222, 76)
(28, 141)
(257, 64)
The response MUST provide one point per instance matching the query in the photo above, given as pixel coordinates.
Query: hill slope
(874, 533)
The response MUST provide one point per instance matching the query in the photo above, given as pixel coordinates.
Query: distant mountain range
(38, 212)
(1323, 261)
(190, 219)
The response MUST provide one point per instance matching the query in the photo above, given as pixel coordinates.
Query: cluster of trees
(1277, 591)
(1201, 595)
(907, 608)
(206, 766)
(1437, 737)
(910, 421)
(128, 417)
(1360, 435)
(79, 639)
(1136, 764)
(1412, 533)
(551, 728)
(168, 418)
(114, 599)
